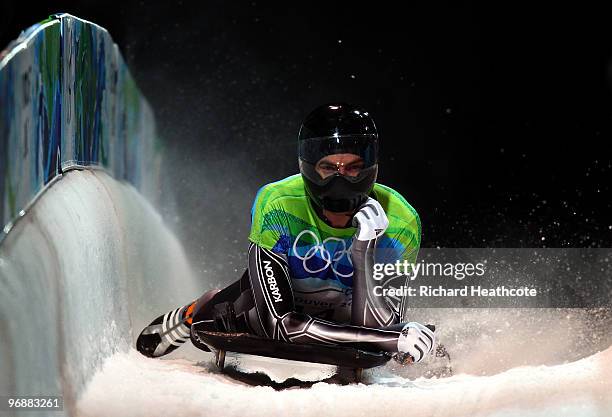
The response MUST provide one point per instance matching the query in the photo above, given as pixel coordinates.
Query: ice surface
(279, 370)
(132, 385)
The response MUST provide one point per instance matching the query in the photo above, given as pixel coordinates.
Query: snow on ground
(132, 385)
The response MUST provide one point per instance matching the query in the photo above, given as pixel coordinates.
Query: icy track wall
(84, 257)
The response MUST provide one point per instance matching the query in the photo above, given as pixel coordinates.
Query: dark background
(494, 122)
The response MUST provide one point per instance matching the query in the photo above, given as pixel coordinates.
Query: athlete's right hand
(370, 221)
(415, 342)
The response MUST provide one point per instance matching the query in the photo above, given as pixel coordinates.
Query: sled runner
(245, 343)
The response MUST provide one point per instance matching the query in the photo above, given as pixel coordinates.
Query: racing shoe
(166, 333)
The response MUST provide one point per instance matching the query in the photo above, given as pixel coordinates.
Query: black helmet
(338, 129)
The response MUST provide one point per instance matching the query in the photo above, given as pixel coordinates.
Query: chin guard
(338, 193)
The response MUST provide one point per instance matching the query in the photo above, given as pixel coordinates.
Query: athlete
(314, 239)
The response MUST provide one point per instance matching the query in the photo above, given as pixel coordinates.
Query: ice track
(131, 385)
(94, 263)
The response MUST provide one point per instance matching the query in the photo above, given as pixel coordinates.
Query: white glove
(416, 340)
(371, 221)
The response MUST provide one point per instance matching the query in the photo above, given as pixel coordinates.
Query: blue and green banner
(68, 100)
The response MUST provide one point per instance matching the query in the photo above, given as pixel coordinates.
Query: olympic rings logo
(319, 247)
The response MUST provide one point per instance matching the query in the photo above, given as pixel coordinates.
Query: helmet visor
(314, 150)
(347, 164)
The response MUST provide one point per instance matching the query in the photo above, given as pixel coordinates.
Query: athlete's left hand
(415, 343)
(370, 221)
